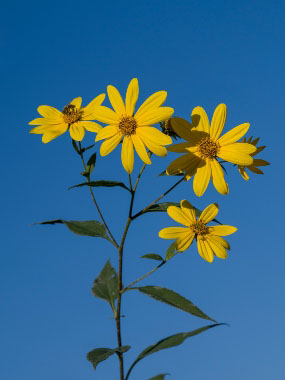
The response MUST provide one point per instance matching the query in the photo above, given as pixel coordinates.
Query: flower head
(73, 117)
(204, 145)
(209, 240)
(254, 167)
(134, 128)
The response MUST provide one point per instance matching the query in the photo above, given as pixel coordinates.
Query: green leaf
(172, 175)
(101, 183)
(161, 376)
(85, 228)
(75, 146)
(106, 284)
(91, 163)
(171, 251)
(171, 341)
(162, 206)
(99, 354)
(173, 299)
(88, 147)
(152, 256)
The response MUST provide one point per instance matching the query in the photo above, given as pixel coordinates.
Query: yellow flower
(204, 145)
(134, 129)
(256, 161)
(73, 117)
(209, 240)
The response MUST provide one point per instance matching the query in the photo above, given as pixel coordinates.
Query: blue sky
(203, 53)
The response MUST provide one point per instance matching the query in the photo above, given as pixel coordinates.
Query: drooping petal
(140, 149)
(204, 249)
(243, 173)
(192, 166)
(154, 116)
(132, 96)
(172, 232)
(127, 154)
(234, 134)
(152, 146)
(155, 135)
(116, 100)
(107, 132)
(91, 107)
(106, 115)
(202, 178)
(76, 131)
(179, 216)
(237, 153)
(151, 103)
(218, 121)
(219, 240)
(218, 178)
(222, 230)
(217, 248)
(49, 112)
(209, 213)
(48, 136)
(90, 126)
(187, 161)
(77, 102)
(188, 210)
(200, 120)
(110, 144)
(184, 241)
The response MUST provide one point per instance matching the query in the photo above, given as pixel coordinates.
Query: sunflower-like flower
(73, 117)
(209, 240)
(134, 129)
(254, 167)
(204, 145)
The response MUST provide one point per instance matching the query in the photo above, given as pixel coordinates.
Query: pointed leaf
(171, 341)
(101, 183)
(162, 206)
(152, 256)
(171, 251)
(161, 376)
(162, 174)
(106, 284)
(91, 163)
(85, 228)
(173, 299)
(75, 147)
(99, 354)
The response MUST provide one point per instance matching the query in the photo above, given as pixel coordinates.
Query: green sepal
(152, 256)
(106, 285)
(171, 341)
(100, 354)
(101, 183)
(173, 299)
(171, 251)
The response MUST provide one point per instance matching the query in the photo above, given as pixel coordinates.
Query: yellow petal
(127, 154)
(48, 136)
(178, 148)
(77, 102)
(217, 248)
(49, 128)
(191, 169)
(49, 112)
(200, 120)
(218, 121)
(222, 230)
(172, 232)
(76, 131)
(110, 144)
(106, 115)
(116, 100)
(132, 96)
(234, 134)
(188, 210)
(182, 128)
(204, 249)
(107, 132)
(259, 162)
(209, 213)
(90, 126)
(151, 103)
(45, 121)
(154, 116)
(152, 146)
(218, 178)
(180, 164)
(184, 241)
(91, 107)
(155, 135)
(202, 178)
(140, 149)
(237, 153)
(179, 216)
(219, 240)
(243, 173)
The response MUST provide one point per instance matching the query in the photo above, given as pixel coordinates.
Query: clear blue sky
(203, 53)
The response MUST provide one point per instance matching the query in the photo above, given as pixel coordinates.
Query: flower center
(128, 125)
(199, 228)
(208, 148)
(71, 114)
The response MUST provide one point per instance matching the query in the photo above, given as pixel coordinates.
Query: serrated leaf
(161, 376)
(152, 256)
(106, 284)
(171, 341)
(101, 183)
(91, 228)
(171, 251)
(100, 354)
(173, 299)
